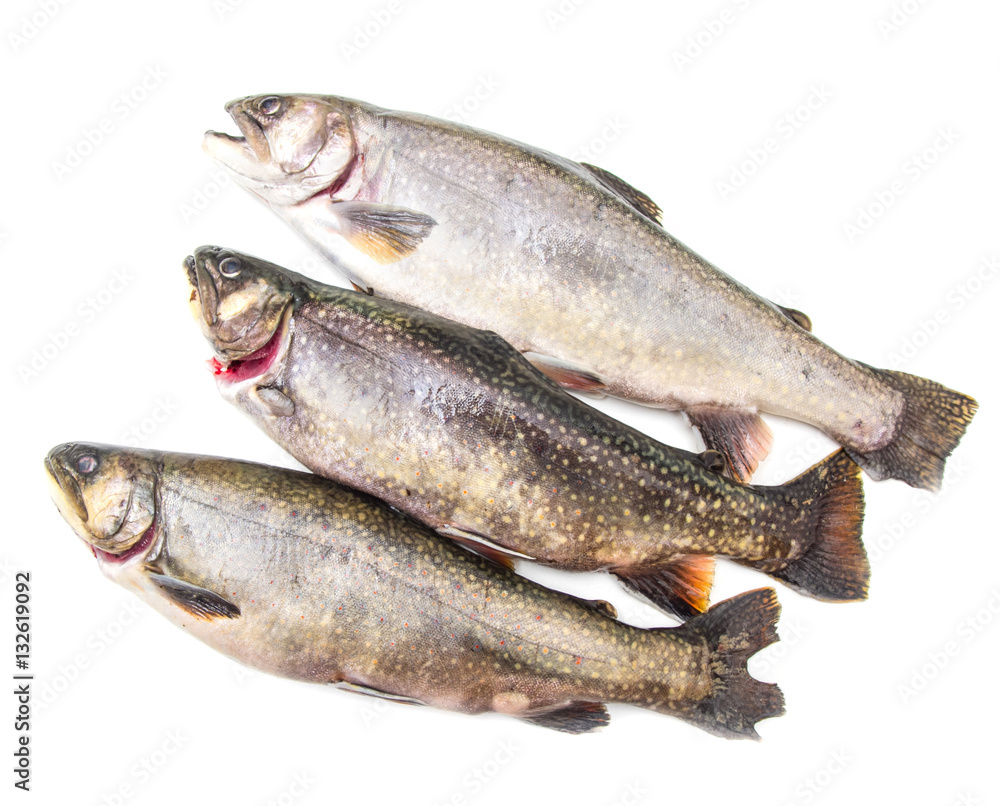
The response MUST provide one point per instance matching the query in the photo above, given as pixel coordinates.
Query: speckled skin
(334, 586)
(529, 245)
(453, 426)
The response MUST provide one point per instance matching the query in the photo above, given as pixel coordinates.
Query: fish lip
(69, 486)
(271, 354)
(252, 131)
(202, 280)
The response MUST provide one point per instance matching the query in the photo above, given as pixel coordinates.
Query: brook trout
(569, 264)
(455, 427)
(295, 576)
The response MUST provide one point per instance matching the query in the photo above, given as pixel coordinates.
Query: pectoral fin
(483, 546)
(740, 435)
(275, 402)
(386, 234)
(199, 602)
(638, 200)
(368, 691)
(567, 374)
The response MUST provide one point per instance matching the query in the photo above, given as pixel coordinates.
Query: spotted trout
(569, 264)
(296, 576)
(455, 427)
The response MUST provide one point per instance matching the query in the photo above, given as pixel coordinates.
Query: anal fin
(199, 602)
(483, 546)
(576, 717)
(386, 234)
(681, 587)
(740, 435)
(566, 373)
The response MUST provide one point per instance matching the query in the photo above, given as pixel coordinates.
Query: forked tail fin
(933, 423)
(832, 564)
(734, 630)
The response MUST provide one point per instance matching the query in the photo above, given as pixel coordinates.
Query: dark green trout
(455, 427)
(294, 575)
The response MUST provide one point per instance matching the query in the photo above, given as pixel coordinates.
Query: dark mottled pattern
(453, 426)
(328, 585)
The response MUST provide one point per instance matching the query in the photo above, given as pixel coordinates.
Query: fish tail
(831, 564)
(732, 631)
(933, 423)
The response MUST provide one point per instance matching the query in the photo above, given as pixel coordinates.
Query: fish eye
(86, 464)
(230, 267)
(269, 105)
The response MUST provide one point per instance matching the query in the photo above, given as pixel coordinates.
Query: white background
(600, 81)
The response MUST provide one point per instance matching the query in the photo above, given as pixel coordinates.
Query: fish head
(243, 305)
(108, 495)
(292, 146)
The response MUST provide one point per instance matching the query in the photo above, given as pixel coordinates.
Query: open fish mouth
(259, 361)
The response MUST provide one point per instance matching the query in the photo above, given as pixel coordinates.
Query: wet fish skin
(569, 264)
(453, 426)
(299, 577)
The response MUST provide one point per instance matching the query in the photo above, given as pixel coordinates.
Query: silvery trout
(455, 427)
(296, 576)
(569, 263)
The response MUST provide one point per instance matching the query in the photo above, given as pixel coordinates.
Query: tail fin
(734, 630)
(833, 565)
(933, 422)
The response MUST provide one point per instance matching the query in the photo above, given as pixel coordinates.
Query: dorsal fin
(638, 200)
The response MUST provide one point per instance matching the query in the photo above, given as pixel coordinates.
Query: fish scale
(296, 576)
(455, 427)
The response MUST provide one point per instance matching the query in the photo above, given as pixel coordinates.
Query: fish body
(296, 576)
(569, 264)
(453, 426)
